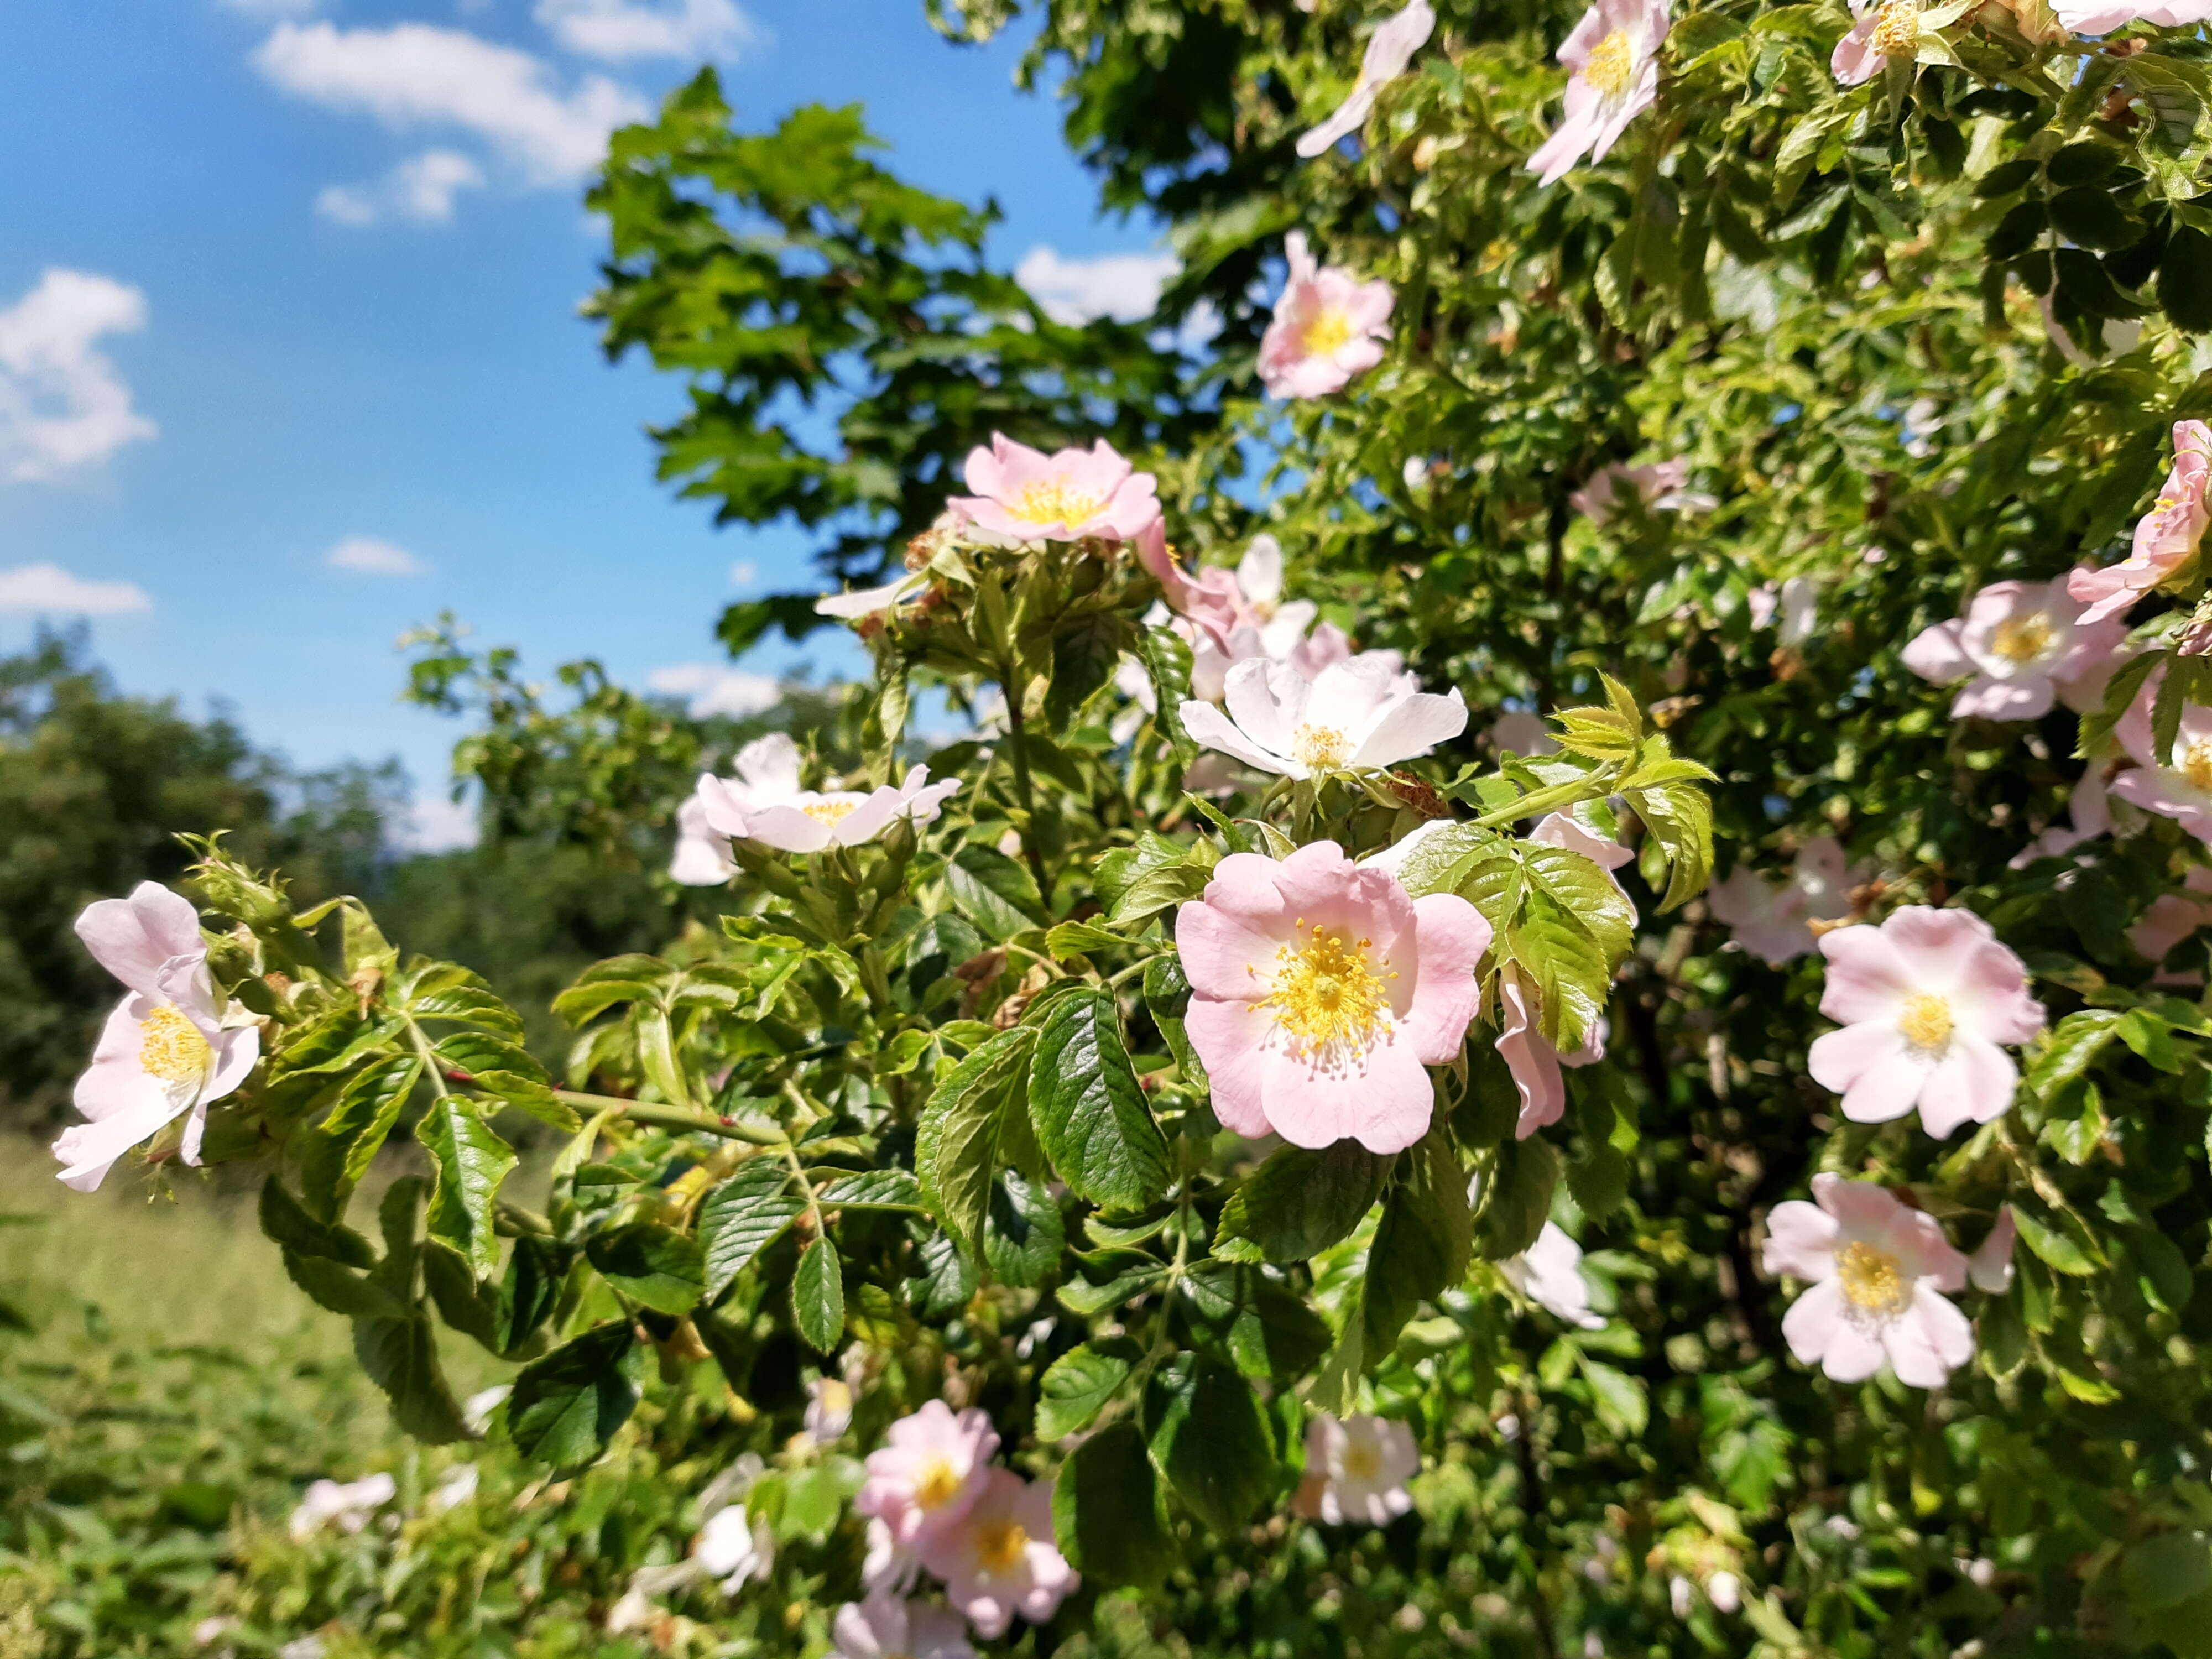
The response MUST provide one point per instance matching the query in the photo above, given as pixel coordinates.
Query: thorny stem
(1018, 751)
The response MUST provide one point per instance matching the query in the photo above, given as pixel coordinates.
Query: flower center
(1361, 1461)
(1326, 996)
(1055, 503)
(2022, 639)
(939, 1485)
(1320, 746)
(171, 1047)
(1330, 331)
(1612, 63)
(1926, 1021)
(829, 811)
(2196, 763)
(1873, 1280)
(834, 1396)
(999, 1544)
(1896, 28)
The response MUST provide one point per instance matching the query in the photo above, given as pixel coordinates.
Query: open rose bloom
(1900, 30)
(885, 1627)
(1027, 496)
(1389, 50)
(929, 1472)
(168, 1050)
(765, 804)
(1357, 1470)
(2020, 647)
(2100, 17)
(2181, 789)
(1660, 486)
(2166, 537)
(1549, 1272)
(1771, 921)
(1321, 993)
(1925, 1001)
(1613, 57)
(999, 1558)
(1879, 1273)
(1359, 713)
(1327, 327)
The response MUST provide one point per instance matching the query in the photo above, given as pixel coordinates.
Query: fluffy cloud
(61, 404)
(50, 589)
(421, 189)
(716, 691)
(412, 75)
(372, 557)
(1123, 286)
(623, 29)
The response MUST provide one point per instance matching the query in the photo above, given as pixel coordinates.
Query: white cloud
(623, 29)
(1123, 286)
(48, 587)
(439, 825)
(743, 573)
(715, 689)
(372, 557)
(421, 189)
(413, 75)
(61, 404)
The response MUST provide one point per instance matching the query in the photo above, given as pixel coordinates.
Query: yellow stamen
(171, 1047)
(1055, 503)
(2196, 763)
(1926, 1021)
(939, 1485)
(1326, 996)
(1328, 332)
(829, 811)
(999, 1544)
(1322, 747)
(1361, 1461)
(1612, 63)
(1896, 29)
(1873, 1280)
(2022, 639)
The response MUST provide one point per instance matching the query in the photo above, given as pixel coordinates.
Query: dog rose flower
(1529, 1056)
(1327, 327)
(2166, 536)
(2100, 17)
(2182, 788)
(701, 858)
(1925, 1001)
(1355, 714)
(346, 1505)
(765, 803)
(1662, 486)
(885, 1627)
(929, 1473)
(1030, 496)
(1613, 57)
(998, 1559)
(2173, 917)
(1878, 1270)
(1389, 49)
(166, 1050)
(1356, 1471)
(2020, 647)
(1894, 28)
(1320, 993)
(2089, 815)
(1770, 919)
(1549, 1272)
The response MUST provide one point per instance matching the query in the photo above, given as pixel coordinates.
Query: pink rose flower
(1320, 993)
(1613, 57)
(1030, 496)
(2100, 17)
(1357, 1471)
(1356, 715)
(2181, 790)
(765, 804)
(1925, 1000)
(1662, 486)
(1389, 49)
(1989, 1268)
(701, 858)
(1771, 921)
(167, 1050)
(885, 1627)
(2020, 647)
(1327, 327)
(929, 1474)
(2089, 815)
(1528, 1054)
(1877, 1271)
(2166, 536)
(1549, 1272)
(2173, 917)
(1894, 28)
(999, 1558)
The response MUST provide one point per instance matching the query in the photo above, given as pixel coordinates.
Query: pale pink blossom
(2182, 788)
(1771, 920)
(1389, 50)
(735, 1548)
(1989, 1268)
(857, 603)
(888, 1564)
(2089, 815)
(2020, 647)
(346, 1505)
(1888, 29)
(2166, 537)
(2171, 918)
(1030, 496)
(1925, 1001)
(1549, 1272)
(767, 805)
(1321, 991)
(1357, 1470)
(1353, 716)
(885, 1627)
(999, 1558)
(1877, 1272)
(1662, 486)
(2100, 17)
(701, 858)
(929, 1473)
(1327, 327)
(1613, 57)
(168, 1049)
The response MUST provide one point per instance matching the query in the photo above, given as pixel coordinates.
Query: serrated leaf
(469, 1162)
(567, 1406)
(1089, 1113)
(994, 892)
(653, 1265)
(817, 1295)
(1205, 1433)
(1299, 1202)
(1107, 1515)
(1076, 1387)
(958, 1150)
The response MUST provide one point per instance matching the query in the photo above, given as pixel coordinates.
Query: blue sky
(289, 359)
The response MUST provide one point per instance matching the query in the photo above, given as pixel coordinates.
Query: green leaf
(958, 1148)
(1620, 1399)
(401, 1357)
(1167, 658)
(2072, 1047)
(1084, 653)
(1107, 1278)
(743, 1216)
(2152, 1038)
(1167, 998)
(329, 1284)
(1267, 1328)
(652, 1264)
(1299, 1202)
(1076, 1387)
(1107, 1516)
(2185, 280)
(2055, 1240)
(340, 1148)
(567, 1406)
(286, 1222)
(1422, 1244)
(1207, 1436)
(1023, 1233)
(1516, 1196)
(2172, 1567)
(872, 1190)
(817, 1295)
(1088, 1110)
(994, 892)
(470, 1163)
